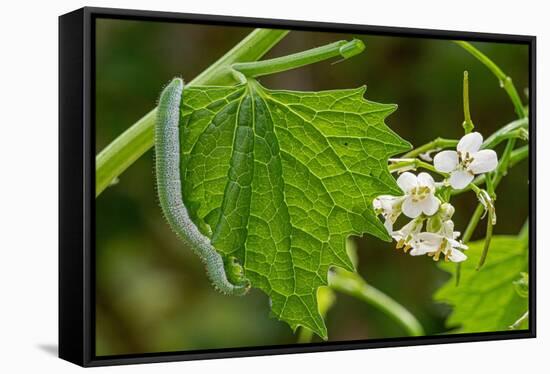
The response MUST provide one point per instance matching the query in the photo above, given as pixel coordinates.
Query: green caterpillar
(226, 275)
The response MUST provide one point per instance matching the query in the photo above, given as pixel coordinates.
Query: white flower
(406, 236)
(419, 194)
(466, 161)
(443, 241)
(390, 208)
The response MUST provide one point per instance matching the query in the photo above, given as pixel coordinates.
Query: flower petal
(382, 202)
(420, 250)
(429, 238)
(407, 181)
(470, 143)
(430, 205)
(446, 161)
(447, 229)
(411, 208)
(388, 224)
(484, 161)
(460, 179)
(455, 244)
(425, 179)
(397, 235)
(426, 242)
(457, 256)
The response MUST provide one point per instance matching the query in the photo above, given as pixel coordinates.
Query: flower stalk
(507, 84)
(504, 80)
(436, 144)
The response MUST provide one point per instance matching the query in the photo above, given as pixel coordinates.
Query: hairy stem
(352, 284)
(122, 152)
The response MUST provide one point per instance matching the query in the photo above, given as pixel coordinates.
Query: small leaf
(280, 179)
(486, 300)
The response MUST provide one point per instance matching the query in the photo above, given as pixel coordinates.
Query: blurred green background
(152, 292)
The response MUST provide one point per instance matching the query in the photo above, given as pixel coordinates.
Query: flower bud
(446, 210)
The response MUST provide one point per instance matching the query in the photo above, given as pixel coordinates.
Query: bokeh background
(152, 292)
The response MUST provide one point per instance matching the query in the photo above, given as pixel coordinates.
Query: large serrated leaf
(280, 179)
(487, 300)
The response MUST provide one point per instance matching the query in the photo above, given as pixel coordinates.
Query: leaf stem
(343, 48)
(502, 168)
(122, 152)
(506, 132)
(352, 284)
(505, 81)
(518, 155)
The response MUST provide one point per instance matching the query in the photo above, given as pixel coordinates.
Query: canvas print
(272, 187)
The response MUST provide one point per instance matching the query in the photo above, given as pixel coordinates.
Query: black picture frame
(77, 186)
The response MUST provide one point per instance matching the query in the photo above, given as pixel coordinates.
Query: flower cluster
(431, 228)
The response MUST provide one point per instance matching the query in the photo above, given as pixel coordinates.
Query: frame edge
(71, 332)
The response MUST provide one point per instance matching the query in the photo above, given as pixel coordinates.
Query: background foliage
(152, 293)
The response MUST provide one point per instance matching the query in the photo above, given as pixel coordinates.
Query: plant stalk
(352, 284)
(508, 86)
(467, 124)
(122, 152)
(505, 81)
(342, 48)
(435, 144)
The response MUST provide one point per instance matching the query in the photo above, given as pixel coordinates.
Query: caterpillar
(227, 275)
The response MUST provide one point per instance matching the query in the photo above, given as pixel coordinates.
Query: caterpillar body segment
(167, 162)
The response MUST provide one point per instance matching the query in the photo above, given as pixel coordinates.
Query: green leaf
(486, 300)
(279, 180)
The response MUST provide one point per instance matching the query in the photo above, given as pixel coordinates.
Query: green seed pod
(352, 48)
